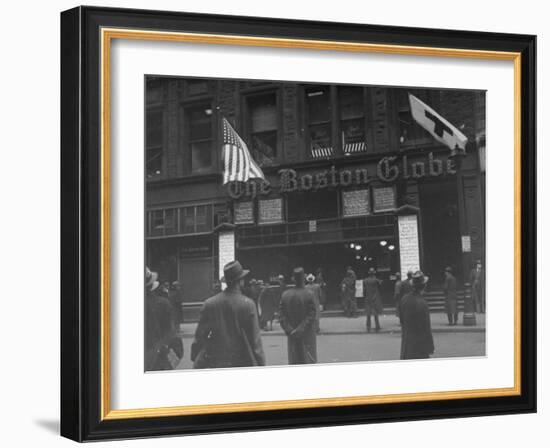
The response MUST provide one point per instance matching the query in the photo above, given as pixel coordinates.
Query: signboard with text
(409, 248)
(226, 248)
(355, 203)
(383, 199)
(243, 212)
(270, 211)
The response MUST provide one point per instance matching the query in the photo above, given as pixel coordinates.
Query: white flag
(435, 124)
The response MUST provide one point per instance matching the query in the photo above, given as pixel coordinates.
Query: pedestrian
(228, 333)
(477, 280)
(163, 348)
(320, 280)
(349, 300)
(407, 284)
(373, 302)
(175, 294)
(255, 290)
(316, 290)
(268, 301)
(416, 334)
(451, 298)
(297, 317)
(216, 287)
(397, 295)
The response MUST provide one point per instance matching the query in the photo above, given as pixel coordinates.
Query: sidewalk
(388, 323)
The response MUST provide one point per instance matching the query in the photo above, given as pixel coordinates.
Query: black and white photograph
(297, 223)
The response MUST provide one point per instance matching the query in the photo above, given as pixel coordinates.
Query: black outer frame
(80, 223)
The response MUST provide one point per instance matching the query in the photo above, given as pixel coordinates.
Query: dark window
(319, 121)
(196, 219)
(163, 222)
(263, 128)
(410, 132)
(154, 142)
(352, 119)
(157, 223)
(303, 206)
(196, 86)
(199, 125)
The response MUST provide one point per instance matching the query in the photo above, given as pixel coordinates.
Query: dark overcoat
(316, 291)
(228, 333)
(371, 292)
(416, 336)
(160, 330)
(269, 300)
(451, 297)
(297, 317)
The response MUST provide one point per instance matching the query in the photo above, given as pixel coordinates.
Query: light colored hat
(150, 277)
(310, 277)
(419, 278)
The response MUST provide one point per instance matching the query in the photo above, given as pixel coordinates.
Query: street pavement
(346, 340)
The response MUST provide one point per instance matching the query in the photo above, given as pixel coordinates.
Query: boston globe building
(281, 174)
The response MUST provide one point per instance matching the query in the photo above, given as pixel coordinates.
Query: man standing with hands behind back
(228, 333)
(297, 318)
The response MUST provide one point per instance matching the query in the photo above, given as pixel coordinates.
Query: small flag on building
(435, 124)
(239, 166)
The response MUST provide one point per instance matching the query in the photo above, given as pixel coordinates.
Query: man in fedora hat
(477, 280)
(451, 298)
(416, 335)
(163, 347)
(373, 302)
(297, 317)
(228, 333)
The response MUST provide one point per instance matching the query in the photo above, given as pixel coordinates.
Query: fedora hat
(419, 278)
(233, 271)
(150, 277)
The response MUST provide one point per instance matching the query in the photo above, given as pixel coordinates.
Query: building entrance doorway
(440, 230)
(332, 259)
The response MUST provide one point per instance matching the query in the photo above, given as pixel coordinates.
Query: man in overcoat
(451, 297)
(163, 348)
(315, 288)
(349, 300)
(320, 280)
(228, 333)
(268, 301)
(397, 295)
(297, 317)
(477, 280)
(416, 334)
(373, 302)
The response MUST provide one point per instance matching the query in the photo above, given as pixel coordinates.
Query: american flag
(239, 166)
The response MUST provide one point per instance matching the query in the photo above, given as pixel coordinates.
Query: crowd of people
(228, 332)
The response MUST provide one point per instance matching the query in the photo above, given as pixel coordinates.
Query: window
(352, 119)
(197, 86)
(180, 221)
(319, 121)
(196, 219)
(263, 128)
(303, 206)
(154, 142)
(163, 222)
(199, 138)
(410, 132)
